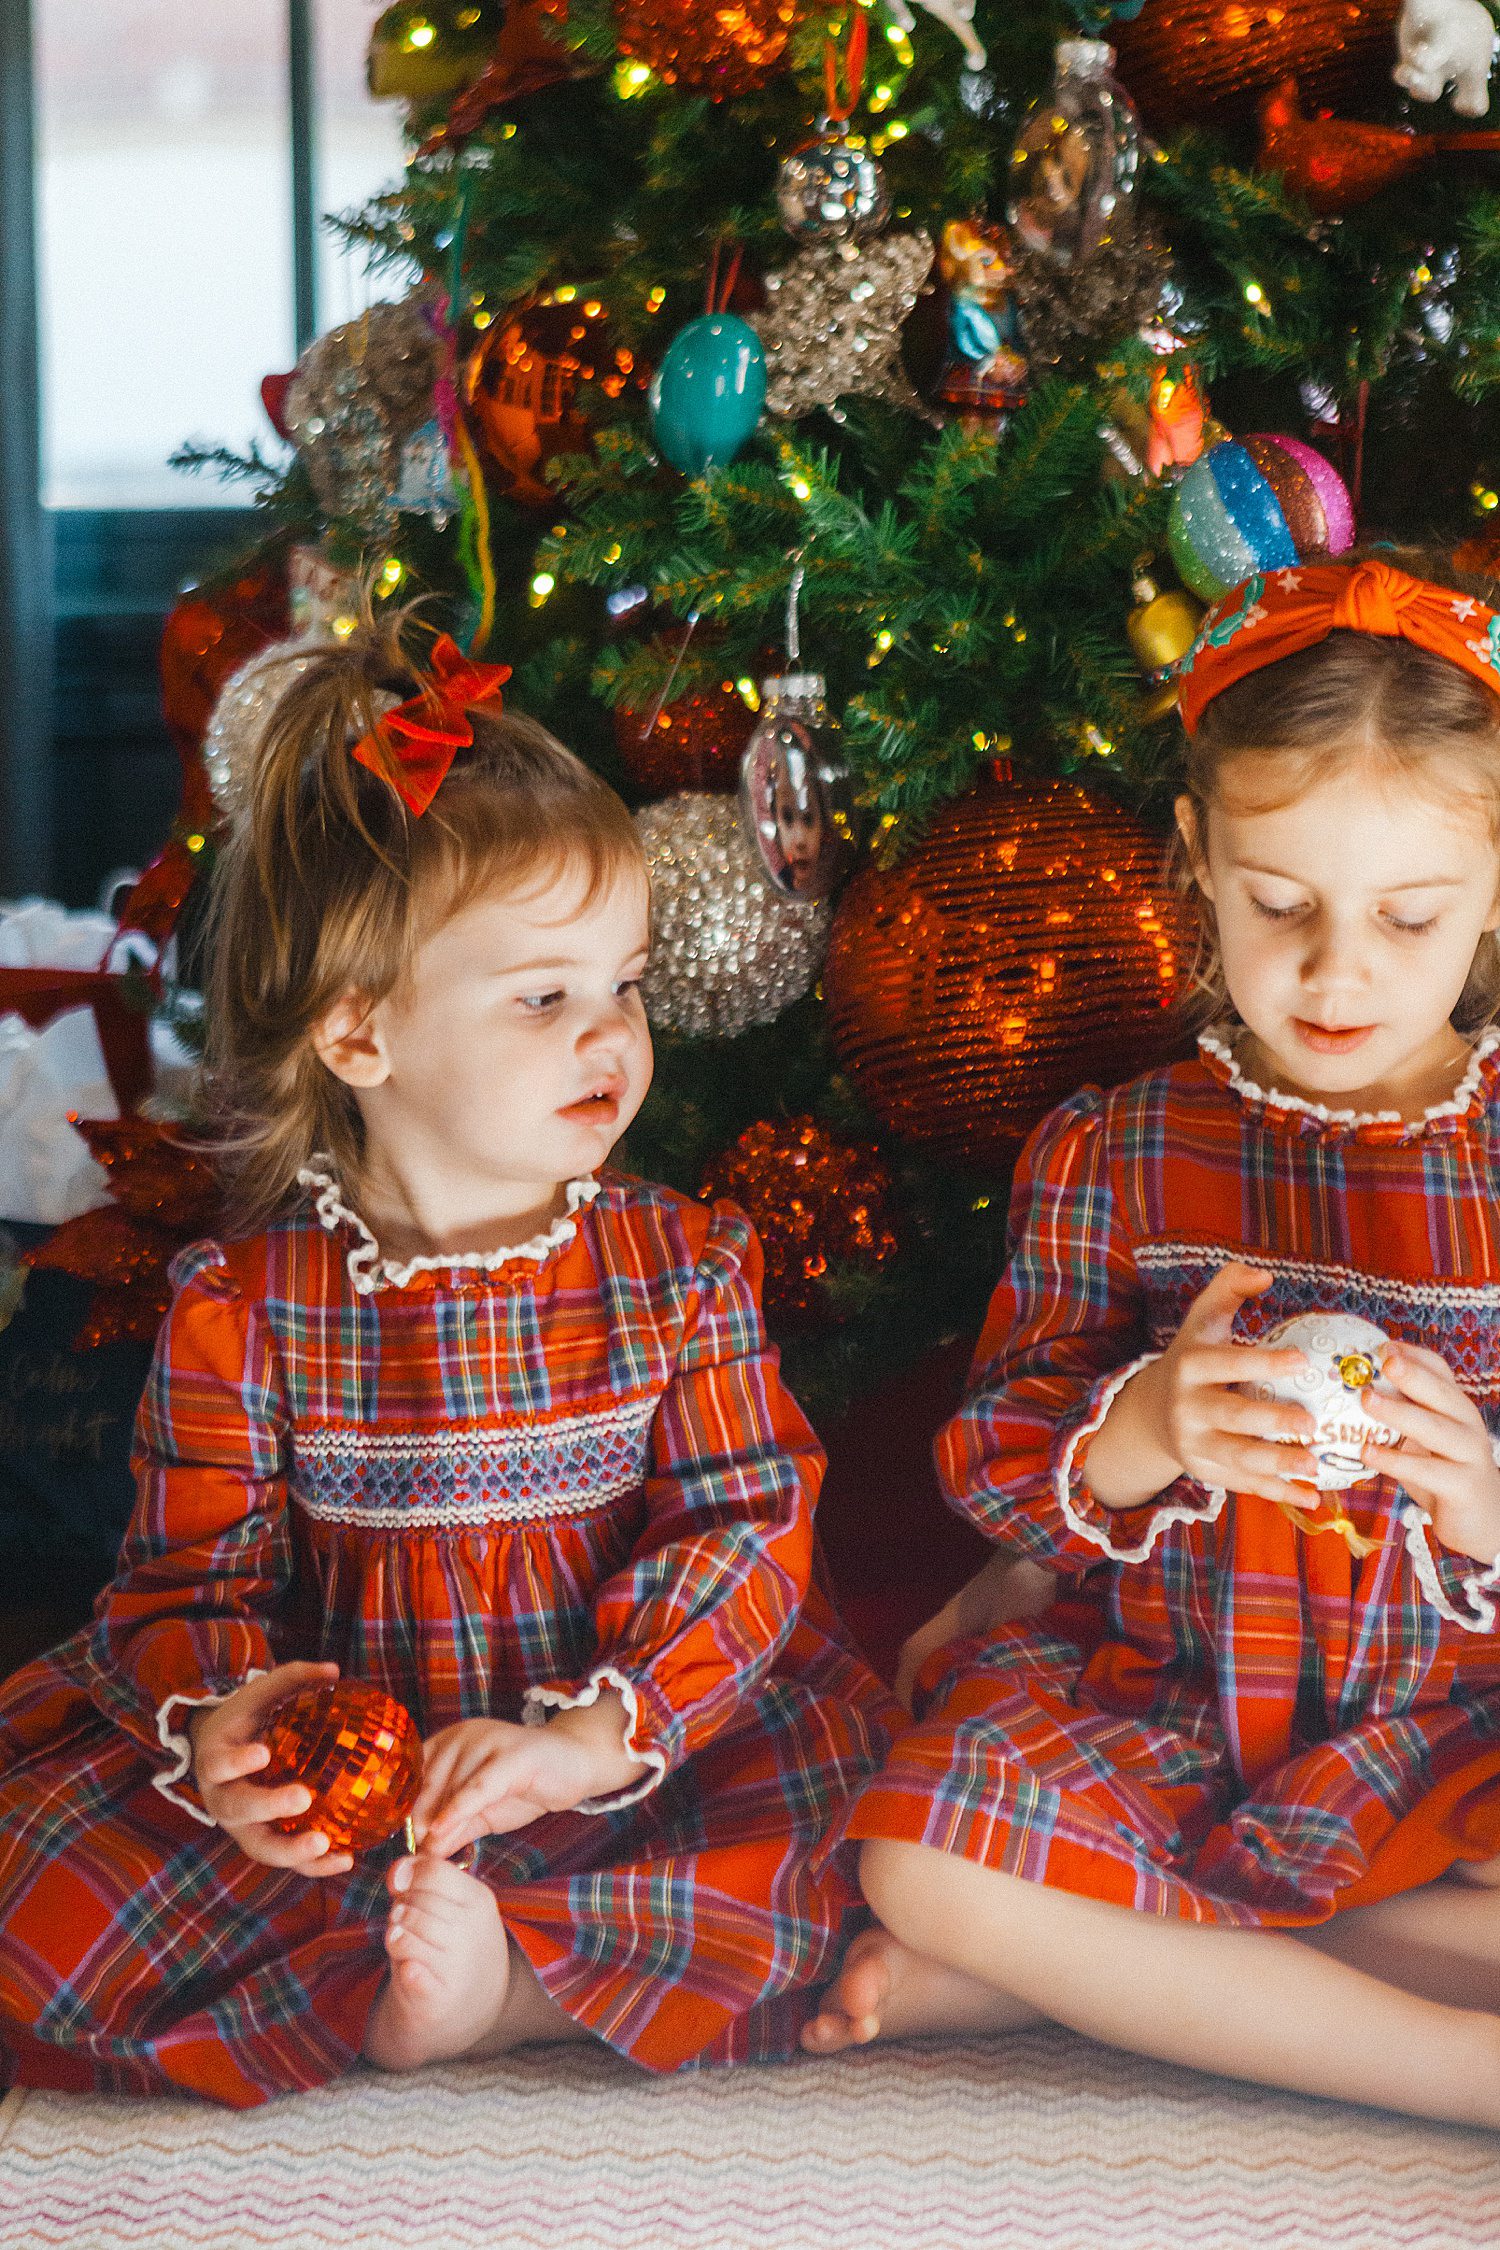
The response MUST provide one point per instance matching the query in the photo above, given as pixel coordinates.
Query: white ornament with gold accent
(1344, 1357)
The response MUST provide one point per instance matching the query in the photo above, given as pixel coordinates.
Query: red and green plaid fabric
(466, 1490)
(1258, 1728)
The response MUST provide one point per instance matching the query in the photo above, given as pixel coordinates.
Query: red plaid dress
(1255, 1728)
(488, 1487)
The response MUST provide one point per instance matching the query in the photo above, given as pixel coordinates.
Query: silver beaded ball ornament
(728, 949)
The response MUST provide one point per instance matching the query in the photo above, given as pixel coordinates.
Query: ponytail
(327, 883)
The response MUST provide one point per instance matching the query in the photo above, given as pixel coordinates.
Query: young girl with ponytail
(453, 1410)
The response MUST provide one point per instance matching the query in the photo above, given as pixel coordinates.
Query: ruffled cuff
(1124, 1535)
(1457, 1586)
(642, 1739)
(181, 1747)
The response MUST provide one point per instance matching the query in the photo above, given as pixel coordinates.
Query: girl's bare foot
(455, 1987)
(885, 1991)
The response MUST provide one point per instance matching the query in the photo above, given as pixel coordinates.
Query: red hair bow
(423, 735)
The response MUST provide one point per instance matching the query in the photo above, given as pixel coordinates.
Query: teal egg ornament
(707, 395)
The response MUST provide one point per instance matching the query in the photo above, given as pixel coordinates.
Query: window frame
(61, 615)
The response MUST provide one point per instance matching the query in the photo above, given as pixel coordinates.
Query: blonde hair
(1352, 696)
(327, 884)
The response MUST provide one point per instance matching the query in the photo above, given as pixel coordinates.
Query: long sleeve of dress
(692, 1623)
(207, 1557)
(1064, 1332)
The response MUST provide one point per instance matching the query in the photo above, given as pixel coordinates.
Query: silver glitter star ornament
(832, 326)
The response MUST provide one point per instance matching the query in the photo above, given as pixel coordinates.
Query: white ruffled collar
(369, 1270)
(1216, 1047)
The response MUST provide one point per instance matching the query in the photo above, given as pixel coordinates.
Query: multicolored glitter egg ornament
(357, 1749)
(1344, 1357)
(1256, 503)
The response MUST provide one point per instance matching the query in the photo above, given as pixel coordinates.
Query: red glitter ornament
(163, 1196)
(818, 1202)
(1025, 945)
(695, 741)
(208, 634)
(1335, 163)
(357, 1749)
(723, 52)
(1186, 61)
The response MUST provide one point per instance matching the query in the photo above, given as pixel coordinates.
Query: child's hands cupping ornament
(1343, 1359)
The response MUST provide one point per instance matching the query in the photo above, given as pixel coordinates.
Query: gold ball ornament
(1161, 629)
(728, 949)
(1026, 945)
(425, 50)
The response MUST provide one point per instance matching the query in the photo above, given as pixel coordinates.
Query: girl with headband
(460, 1412)
(1250, 1821)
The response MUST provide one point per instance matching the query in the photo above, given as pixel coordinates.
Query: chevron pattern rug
(1039, 2142)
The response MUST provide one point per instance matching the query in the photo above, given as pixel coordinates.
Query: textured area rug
(1035, 2143)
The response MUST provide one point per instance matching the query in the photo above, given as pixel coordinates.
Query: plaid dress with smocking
(490, 1487)
(1251, 1727)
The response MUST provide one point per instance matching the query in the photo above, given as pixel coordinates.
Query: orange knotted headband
(1279, 612)
(423, 735)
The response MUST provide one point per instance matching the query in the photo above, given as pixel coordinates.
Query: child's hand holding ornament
(1445, 1459)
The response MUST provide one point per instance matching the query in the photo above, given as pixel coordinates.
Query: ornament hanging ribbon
(422, 736)
(1275, 614)
(841, 104)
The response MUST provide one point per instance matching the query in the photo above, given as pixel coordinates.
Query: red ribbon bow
(424, 734)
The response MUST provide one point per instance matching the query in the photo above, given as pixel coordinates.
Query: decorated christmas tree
(838, 415)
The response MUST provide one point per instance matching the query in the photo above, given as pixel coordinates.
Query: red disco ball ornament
(357, 1749)
(694, 742)
(1025, 946)
(818, 1202)
(1188, 61)
(723, 52)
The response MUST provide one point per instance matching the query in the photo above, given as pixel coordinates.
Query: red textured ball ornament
(207, 636)
(694, 742)
(1026, 945)
(1188, 61)
(723, 52)
(357, 1749)
(818, 1202)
